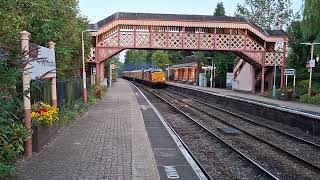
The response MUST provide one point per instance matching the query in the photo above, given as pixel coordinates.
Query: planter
(285, 97)
(42, 135)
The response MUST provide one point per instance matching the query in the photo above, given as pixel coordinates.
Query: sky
(96, 10)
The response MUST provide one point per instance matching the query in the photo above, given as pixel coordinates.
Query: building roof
(180, 17)
(276, 32)
(192, 64)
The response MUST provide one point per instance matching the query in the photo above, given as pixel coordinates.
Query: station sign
(290, 72)
(44, 64)
(312, 63)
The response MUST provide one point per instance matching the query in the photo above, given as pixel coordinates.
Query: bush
(5, 170)
(314, 100)
(12, 136)
(80, 107)
(311, 100)
(303, 98)
(66, 116)
(279, 92)
(92, 100)
(104, 90)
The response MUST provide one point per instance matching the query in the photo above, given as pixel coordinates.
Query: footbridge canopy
(259, 47)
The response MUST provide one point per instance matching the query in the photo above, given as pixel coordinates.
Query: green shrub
(314, 99)
(5, 170)
(66, 116)
(269, 93)
(303, 98)
(12, 136)
(92, 100)
(279, 92)
(80, 106)
(302, 87)
(104, 90)
(311, 100)
(303, 83)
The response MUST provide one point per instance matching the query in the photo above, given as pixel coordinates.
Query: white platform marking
(171, 172)
(183, 150)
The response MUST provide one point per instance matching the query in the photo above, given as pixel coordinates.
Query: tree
(298, 54)
(219, 11)
(136, 59)
(47, 21)
(160, 59)
(311, 20)
(175, 56)
(268, 14)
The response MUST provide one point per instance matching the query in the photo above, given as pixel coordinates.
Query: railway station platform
(294, 107)
(122, 137)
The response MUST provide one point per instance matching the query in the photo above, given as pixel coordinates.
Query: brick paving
(111, 142)
(314, 109)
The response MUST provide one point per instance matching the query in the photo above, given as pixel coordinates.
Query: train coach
(151, 77)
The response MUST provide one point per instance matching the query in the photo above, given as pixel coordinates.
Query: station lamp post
(310, 67)
(274, 88)
(212, 71)
(84, 80)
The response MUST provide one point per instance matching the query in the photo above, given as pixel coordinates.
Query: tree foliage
(311, 20)
(298, 54)
(268, 14)
(219, 11)
(47, 20)
(160, 59)
(305, 30)
(142, 59)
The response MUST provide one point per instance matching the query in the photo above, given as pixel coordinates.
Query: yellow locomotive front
(158, 77)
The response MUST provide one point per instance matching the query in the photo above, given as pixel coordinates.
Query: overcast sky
(97, 10)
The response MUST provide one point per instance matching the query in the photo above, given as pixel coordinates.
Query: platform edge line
(185, 153)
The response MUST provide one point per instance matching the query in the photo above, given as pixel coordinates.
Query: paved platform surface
(111, 142)
(306, 108)
(171, 162)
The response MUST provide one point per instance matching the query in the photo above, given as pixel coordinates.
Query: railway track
(307, 164)
(310, 161)
(297, 138)
(194, 128)
(287, 143)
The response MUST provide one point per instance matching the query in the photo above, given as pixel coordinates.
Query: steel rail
(262, 169)
(249, 120)
(306, 162)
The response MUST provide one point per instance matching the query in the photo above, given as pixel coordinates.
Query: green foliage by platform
(5, 170)
(268, 14)
(47, 20)
(311, 100)
(12, 136)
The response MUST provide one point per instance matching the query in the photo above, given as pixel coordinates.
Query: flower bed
(45, 124)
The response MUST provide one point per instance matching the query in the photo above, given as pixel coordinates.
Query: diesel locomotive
(152, 77)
